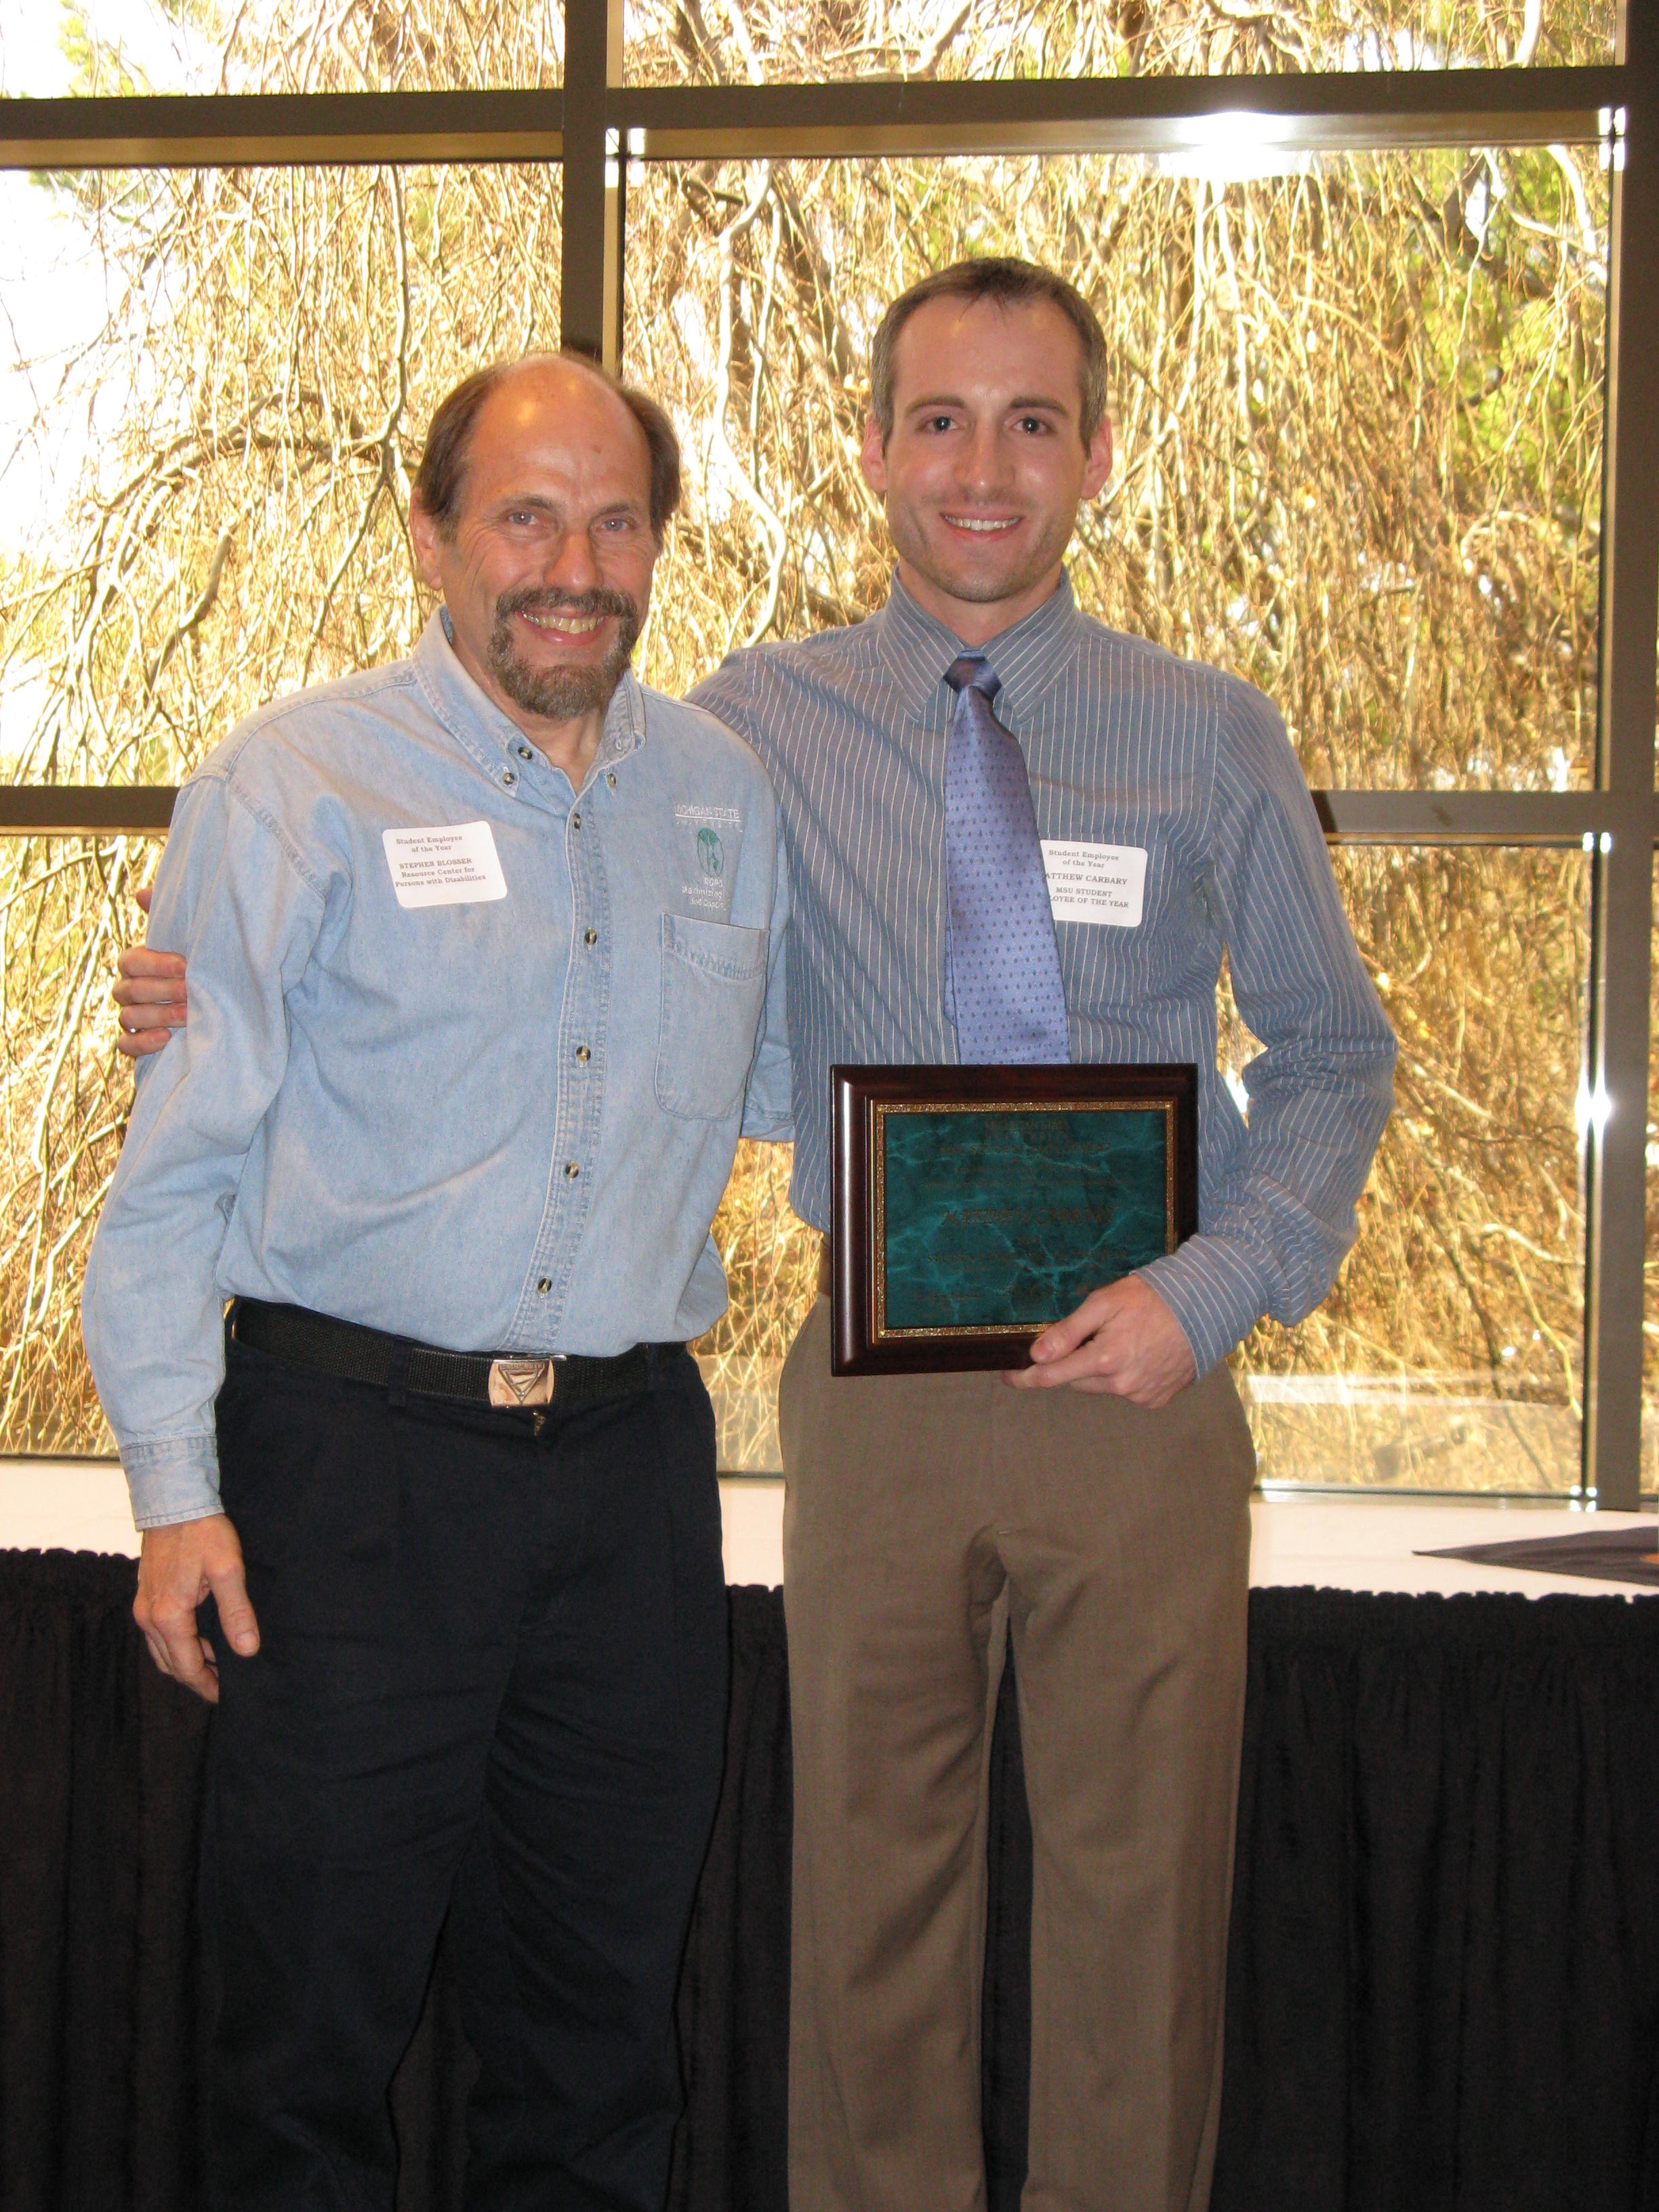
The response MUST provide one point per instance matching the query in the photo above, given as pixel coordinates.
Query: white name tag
(455, 866)
(1095, 883)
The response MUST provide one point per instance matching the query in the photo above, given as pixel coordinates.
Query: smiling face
(985, 467)
(545, 568)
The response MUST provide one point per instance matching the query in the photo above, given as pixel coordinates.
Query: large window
(1358, 403)
(1367, 276)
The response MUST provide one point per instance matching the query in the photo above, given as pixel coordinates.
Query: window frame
(597, 124)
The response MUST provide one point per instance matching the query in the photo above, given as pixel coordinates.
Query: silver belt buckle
(521, 1381)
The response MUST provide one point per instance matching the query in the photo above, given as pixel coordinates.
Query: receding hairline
(444, 466)
(531, 365)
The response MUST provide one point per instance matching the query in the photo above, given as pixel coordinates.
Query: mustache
(540, 598)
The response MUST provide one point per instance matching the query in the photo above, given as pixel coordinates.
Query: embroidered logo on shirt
(706, 855)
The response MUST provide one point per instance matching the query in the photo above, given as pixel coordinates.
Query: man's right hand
(150, 994)
(179, 1566)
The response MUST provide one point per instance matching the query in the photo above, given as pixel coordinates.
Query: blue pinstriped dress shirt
(1126, 745)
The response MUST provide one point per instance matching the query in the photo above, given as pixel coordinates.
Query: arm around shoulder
(149, 991)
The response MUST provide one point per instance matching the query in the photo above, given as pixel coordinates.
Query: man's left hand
(1121, 1341)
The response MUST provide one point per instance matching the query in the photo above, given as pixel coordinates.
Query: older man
(485, 954)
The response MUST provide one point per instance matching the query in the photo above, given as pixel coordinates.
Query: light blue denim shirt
(483, 1089)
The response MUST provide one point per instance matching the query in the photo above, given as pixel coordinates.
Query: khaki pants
(924, 1513)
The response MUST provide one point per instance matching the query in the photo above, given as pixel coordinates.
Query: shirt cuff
(1214, 1291)
(776, 1126)
(172, 1479)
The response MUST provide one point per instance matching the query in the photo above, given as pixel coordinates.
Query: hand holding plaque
(976, 1207)
(1123, 1341)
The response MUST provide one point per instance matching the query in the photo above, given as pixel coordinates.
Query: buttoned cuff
(172, 1478)
(1216, 1293)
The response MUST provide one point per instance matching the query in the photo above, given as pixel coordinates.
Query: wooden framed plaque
(972, 1206)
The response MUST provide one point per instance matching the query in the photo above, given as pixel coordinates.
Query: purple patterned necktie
(1002, 989)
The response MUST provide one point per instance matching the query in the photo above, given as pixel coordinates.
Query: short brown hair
(1011, 283)
(443, 459)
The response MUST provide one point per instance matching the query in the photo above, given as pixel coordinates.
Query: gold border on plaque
(880, 1109)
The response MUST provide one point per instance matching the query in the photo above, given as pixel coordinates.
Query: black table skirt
(1443, 1988)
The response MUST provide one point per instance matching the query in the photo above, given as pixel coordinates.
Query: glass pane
(779, 41)
(1450, 1356)
(213, 390)
(1359, 413)
(112, 46)
(65, 1097)
(771, 1261)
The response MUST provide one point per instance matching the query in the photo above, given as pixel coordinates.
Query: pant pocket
(805, 1371)
(1234, 1424)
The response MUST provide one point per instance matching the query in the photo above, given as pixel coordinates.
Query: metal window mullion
(1622, 918)
(1464, 817)
(178, 130)
(1339, 110)
(85, 810)
(590, 287)
(1353, 110)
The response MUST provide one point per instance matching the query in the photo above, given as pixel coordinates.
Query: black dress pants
(492, 1683)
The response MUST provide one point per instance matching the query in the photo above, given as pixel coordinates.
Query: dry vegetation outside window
(796, 41)
(1359, 404)
(1358, 408)
(229, 461)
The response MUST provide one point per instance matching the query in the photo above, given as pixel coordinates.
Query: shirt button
(523, 751)
(611, 779)
(571, 1171)
(544, 1285)
(508, 778)
(590, 937)
(583, 1053)
(575, 821)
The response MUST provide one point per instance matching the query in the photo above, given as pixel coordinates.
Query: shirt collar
(917, 649)
(492, 738)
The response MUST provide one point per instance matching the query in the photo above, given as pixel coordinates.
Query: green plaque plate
(973, 1207)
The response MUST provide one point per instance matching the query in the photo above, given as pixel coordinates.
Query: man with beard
(485, 959)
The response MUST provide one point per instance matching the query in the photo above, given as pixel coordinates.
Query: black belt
(356, 1354)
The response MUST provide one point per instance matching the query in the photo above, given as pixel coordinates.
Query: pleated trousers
(929, 1520)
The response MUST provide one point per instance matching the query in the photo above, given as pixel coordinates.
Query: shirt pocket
(713, 986)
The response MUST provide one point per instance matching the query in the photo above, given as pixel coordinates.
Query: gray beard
(562, 695)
